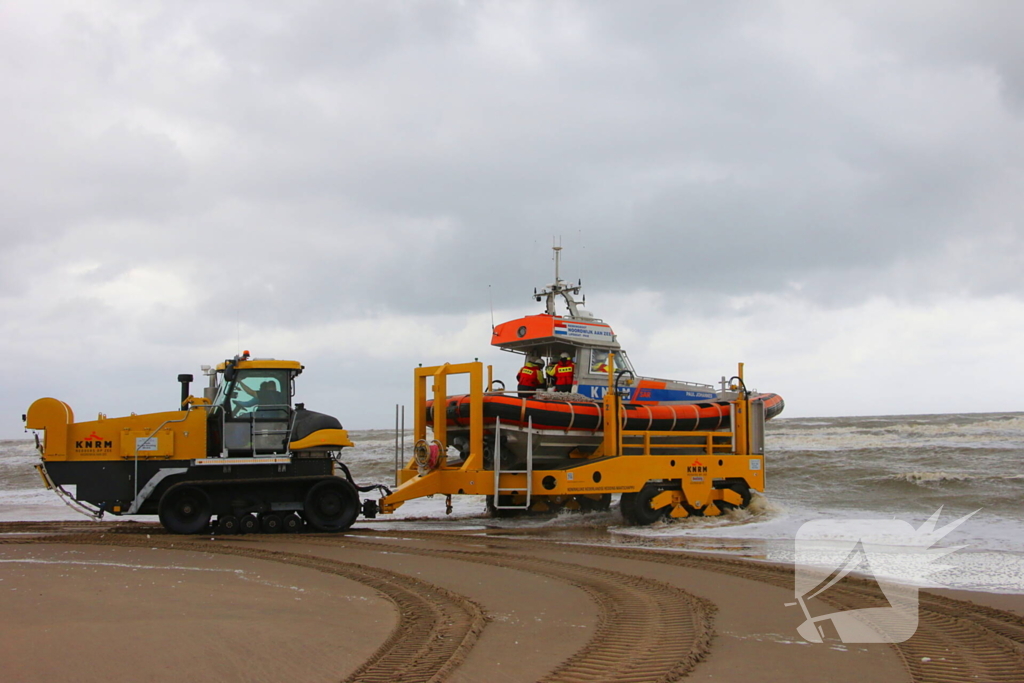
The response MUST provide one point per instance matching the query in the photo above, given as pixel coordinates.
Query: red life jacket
(529, 376)
(564, 373)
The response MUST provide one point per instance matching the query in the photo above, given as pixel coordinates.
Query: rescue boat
(555, 426)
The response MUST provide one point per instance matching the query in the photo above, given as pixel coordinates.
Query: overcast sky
(829, 192)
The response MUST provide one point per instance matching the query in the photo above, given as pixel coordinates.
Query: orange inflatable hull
(587, 416)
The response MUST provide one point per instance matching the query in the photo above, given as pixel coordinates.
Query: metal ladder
(498, 471)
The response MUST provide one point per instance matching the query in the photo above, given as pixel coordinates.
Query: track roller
(249, 524)
(271, 523)
(292, 523)
(227, 524)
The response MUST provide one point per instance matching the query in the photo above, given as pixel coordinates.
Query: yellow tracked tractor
(242, 455)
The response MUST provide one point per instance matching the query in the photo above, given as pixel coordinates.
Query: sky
(829, 192)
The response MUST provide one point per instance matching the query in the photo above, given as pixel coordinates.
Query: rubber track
(436, 628)
(955, 640)
(647, 630)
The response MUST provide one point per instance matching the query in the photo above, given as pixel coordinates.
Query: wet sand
(124, 602)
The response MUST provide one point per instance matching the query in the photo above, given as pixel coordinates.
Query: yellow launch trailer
(657, 473)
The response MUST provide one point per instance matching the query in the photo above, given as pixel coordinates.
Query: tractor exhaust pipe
(185, 381)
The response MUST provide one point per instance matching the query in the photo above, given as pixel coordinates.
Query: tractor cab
(251, 409)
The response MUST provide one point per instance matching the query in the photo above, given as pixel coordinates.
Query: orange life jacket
(529, 376)
(564, 372)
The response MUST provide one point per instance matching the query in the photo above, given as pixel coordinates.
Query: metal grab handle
(135, 477)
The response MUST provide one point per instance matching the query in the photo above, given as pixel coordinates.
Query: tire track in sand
(436, 628)
(955, 640)
(647, 630)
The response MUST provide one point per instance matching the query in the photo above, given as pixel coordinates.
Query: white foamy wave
(18, 452)
(939, 477)
(922, 477)
(989, 434)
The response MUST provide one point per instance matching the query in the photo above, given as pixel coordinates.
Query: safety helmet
(564, 355)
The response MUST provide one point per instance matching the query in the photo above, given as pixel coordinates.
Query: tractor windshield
(263, 394)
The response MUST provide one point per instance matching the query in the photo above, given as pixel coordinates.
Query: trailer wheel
(739, 486)
(185, 510)
(588, 504)
(626, 503)
(501, 513)
(636, 507)
(332, 505)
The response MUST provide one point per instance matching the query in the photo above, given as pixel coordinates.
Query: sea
(905, 484)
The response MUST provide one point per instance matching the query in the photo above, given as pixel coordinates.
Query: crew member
(530, 378)
(268, 401)
(565, 370)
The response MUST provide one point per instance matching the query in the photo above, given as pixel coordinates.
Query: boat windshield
(599, 361)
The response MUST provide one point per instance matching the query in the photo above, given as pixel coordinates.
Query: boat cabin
(588, 341)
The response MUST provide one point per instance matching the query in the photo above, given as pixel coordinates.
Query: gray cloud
(176, 173)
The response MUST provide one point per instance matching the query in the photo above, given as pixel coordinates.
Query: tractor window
(222, 393)
(263, 394)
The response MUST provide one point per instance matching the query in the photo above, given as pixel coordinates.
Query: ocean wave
(992, 434)
(22, 448)
(940, 477)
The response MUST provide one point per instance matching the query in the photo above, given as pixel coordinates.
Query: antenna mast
(559, 288)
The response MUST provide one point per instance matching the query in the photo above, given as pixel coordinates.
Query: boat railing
(677, 382)
(706, 443)
(549, 396)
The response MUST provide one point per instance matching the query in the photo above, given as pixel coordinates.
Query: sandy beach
(127, 602)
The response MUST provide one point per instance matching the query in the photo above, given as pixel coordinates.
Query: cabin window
(622, 361)
(599, 362)
(263, 394)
